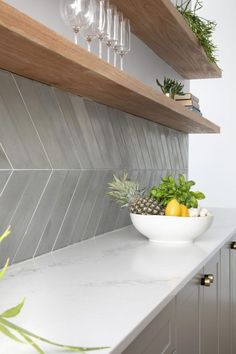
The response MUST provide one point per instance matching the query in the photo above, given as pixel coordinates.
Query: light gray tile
(102, 128)
(151, 144)
(41, 217)
(17, 133)
(79, 198)
(164, 133)
(139, 127)
(132, 141)
(88, 205)
(4, 178)
(54, 223)
(4, 163)
(49, 122)
(9, 202)
(72, 120)
(11, 196)
(24, 211)
(100, 202)
(87, 136)
(119, 127)
(159, 147)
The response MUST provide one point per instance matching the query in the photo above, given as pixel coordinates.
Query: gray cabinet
(202, 317)
(158, 337)
(188, 317)
(233, 293)
(225, 301)
(209, 313)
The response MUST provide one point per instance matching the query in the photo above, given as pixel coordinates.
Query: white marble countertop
(104, 291)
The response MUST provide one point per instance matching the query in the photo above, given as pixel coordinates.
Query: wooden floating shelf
(164, 30)
(36, 52)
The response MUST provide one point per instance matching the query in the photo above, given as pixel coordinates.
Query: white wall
(142, 63)
(212, 157)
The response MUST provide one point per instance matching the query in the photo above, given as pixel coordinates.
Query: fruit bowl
(171, 229)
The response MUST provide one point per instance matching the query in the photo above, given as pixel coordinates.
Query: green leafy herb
(202, 28)
(173, 87)
(12, 331)
(179, 189)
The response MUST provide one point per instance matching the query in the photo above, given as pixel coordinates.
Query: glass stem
(100, 48)
(108, 54)
(89, 41)
(115, 58)
(89, 46)
(76, 38)
(76, 32)
(122, 62)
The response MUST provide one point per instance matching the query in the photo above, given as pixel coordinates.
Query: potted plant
(171, 87)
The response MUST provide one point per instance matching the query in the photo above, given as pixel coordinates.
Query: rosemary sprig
(201, 27)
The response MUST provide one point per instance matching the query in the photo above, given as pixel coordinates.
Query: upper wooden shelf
(34, 51)
(164, 30)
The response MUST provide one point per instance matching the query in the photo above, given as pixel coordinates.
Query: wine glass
(102, 34)
(111, 32)
(76, 14)
(124, 41)
(96, 28)
(118, 21)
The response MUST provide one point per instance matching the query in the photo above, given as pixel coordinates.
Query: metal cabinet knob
(205, 281)
(211, 277)
(233, 245)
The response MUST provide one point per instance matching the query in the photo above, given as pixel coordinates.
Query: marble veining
(104, 291)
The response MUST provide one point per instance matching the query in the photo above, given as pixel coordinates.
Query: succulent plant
(171, 87)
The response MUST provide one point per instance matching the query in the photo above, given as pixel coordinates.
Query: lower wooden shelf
(32, 50)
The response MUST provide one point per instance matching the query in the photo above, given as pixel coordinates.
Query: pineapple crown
(124, 191)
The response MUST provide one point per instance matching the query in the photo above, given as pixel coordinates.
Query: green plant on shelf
(171, 87)
(21, 335)
(202, 28)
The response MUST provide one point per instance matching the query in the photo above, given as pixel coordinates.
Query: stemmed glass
(116, 46)
(111, 29)
(124, 44)
(76, 14)
(96, 28)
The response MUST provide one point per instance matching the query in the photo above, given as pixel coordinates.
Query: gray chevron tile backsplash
(57, 154)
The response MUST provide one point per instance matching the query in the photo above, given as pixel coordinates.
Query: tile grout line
(27, 110)
(51, 213)
(68, 130)
(66, 213)
(7, 181)
(6, 156)
(30, 221)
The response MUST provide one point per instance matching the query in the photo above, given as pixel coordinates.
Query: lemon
(184, 210)
(173, 208)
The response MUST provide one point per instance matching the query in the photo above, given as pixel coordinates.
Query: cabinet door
(233, 296)
(188, 317)
(210, 310)
(158, 337)
(224, 314)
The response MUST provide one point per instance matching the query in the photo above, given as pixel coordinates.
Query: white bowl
(171, 229)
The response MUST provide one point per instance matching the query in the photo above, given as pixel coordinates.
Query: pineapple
(128, 194)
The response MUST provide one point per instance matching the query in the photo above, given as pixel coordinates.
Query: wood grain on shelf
(163, 29)
(34, 51)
